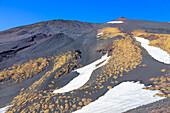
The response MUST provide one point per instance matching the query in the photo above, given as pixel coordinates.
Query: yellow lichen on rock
(158, 40)
(109, 32)
(31, 94)
(19, 73)
(161, 83)
(109, 87)
(125, 57)
(163, 70)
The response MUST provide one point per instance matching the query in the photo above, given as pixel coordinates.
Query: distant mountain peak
(121, 18)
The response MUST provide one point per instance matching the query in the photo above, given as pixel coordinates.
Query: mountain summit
(121, 18)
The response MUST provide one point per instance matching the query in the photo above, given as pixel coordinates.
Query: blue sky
(15, 13)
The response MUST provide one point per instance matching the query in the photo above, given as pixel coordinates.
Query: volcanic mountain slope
(57, 66)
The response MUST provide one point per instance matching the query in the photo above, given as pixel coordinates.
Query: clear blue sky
(15, 13)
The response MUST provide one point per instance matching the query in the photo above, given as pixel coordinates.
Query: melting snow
(98, 35)
(84, 75)
(115, 22)
(121, 98)
(157, 53)
(4, 109)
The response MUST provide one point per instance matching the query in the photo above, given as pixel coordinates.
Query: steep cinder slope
(70, 28)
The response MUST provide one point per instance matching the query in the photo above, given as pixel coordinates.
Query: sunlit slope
(75, 100)
(39, 59)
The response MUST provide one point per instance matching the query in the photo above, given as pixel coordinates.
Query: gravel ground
(162, 106)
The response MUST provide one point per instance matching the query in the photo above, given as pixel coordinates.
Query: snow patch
(4, 109)
(98, 36)
(100, 33)
(115, 22)
(155, 52)
(121, 98)
(84, 75)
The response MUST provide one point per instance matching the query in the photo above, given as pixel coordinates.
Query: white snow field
(155, 52)
(4, 109)
(84, 75)
(115, 22)
(121, 98)
(98, 35)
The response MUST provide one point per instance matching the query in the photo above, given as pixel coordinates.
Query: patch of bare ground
(162, 106)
